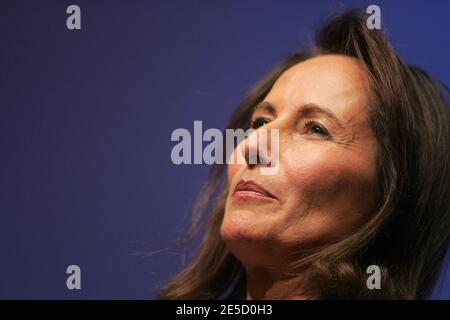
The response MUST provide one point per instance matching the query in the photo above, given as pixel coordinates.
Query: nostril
(262, 159)
(255, 149)
(254, 157)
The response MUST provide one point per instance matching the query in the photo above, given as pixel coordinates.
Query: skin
(325, 183)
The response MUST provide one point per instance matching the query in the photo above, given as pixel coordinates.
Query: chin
(234, 231)
(248, 244)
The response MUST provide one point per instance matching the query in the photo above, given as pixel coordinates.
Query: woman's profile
(363, 180)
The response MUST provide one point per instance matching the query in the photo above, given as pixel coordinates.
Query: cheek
(335, 190)
(323, 176)
(335, 194)
(312, 177)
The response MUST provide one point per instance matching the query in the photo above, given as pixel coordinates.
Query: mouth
(250, 189)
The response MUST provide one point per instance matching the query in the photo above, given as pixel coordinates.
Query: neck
(264, 284)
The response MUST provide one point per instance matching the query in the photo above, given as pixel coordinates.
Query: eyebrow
(267, 106)
(305, 110)
(311, 108)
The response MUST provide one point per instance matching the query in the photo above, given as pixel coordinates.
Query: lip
(250, 189)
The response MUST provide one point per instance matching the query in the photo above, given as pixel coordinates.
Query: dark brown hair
(408, 233)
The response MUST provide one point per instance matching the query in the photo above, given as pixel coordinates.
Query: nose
(257, 147)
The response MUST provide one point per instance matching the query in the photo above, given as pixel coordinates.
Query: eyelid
(326, 132)
(254, 119)
(308, 122)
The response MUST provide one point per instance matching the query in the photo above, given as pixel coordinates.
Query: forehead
(337, 82)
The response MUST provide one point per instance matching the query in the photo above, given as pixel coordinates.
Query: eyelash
(253, 123)
(323, 131)
(310, 124)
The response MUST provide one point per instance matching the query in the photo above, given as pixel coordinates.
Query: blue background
(86, 117)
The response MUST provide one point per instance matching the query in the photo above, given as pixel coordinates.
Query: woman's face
(325, 184)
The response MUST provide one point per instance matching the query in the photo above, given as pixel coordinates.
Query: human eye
(258, 122)
(315, 128)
